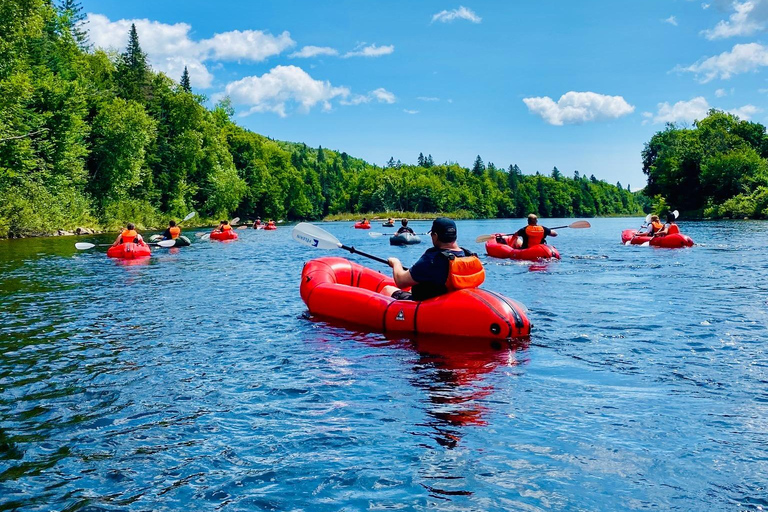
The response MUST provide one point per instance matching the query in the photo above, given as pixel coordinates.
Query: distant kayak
(224, 235)
(674, 241)
(129, 251)
(404, 239)
(270, 228)
(338, 289)
(385, 225)
(181, 241)
(508, 250)
(360, 225)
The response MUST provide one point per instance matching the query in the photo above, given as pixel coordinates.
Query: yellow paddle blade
(484, 238)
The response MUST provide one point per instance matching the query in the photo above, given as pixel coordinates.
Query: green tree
(132, 69)
(185, 85)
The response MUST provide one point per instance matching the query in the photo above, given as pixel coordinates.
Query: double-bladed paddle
(82, 246)
(579, 224)
(375, 234)
(313, 236)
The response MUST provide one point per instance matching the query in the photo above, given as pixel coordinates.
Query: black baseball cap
(445, 229)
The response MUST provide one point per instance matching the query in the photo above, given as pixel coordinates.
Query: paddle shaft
(365, 254)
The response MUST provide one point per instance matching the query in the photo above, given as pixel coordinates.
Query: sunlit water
(194, 382)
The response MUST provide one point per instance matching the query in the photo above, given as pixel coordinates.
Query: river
(195, 381)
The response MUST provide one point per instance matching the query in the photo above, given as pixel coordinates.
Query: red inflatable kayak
(129, 251)
(339, 289)
(360, 225)
(269, 228)
(537, 252)
(224, 235)
(675, 241)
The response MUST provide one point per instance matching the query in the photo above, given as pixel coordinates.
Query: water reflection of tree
(452, 374)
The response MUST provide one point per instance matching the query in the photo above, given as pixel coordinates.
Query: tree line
(89, 138)
(716, 168)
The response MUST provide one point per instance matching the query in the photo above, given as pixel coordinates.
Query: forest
(96, 139)
(716, 168)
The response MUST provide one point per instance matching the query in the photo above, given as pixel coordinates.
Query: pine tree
(421, 160)
(132, 69)
(185, 81)
(556, 174)
(391, 162)
(479, 166)
(320, 155)
(429, 162)
(73, 18)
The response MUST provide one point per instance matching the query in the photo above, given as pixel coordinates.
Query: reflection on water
(193, 381)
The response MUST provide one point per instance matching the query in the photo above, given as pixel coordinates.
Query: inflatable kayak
(507, 250)
(360, 225)
(224, 235)
(269, 228)
(338, 289)
(674, 241)
(182, 241)
(129, 251)
(385, 225)
(404, 239)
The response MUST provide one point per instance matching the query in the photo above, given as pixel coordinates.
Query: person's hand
(553, 233)
(393, 261)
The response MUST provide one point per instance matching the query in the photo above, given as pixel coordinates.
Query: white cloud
(741, 59)
(672, 20)
(749, 17)
(578, 107)
(280, 88)
(720, 93)
(372, 50)
(410, 111)
(381, 95)
(427, 98)
(170, 47)
(690, 111)
(705, 6)
(313, 51)
(462, 13)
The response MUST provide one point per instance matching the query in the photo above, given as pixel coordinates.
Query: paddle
(375, 234)
(647, 220)
(82, 246)
(313, 236)
(579, 224)
(646, 244)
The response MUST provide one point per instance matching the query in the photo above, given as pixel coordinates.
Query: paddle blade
(313, 236)
(205, 236)
(189, 216)
(484, 238)
(200, 234)
(648, 218)
(81, 246)
(234, 221)
(676, 213)
(579, 224)
(374, 234)
(166, 243)
(645, 244)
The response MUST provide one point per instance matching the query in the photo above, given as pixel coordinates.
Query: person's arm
(117, 240)
(520, 232)
(401, 276)
(549, 232)
(663, 231)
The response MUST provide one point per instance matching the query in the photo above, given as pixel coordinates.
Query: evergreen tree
(619, 186)
(185, 80)
(429, 162)
(421, 161)
(479, 166)
(73, 18)
(320, 155)
(132, 69)
(391, 162)
(556, 174)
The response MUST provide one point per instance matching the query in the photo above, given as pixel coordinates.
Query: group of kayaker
(257, 224)
(656, 228)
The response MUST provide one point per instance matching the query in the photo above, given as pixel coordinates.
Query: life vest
(270, 223)
(535, 235)
(464, 271)
(175, 231)
(673, 229)
(226, 227)
(656, 227)
(128, 236)
(366, 222)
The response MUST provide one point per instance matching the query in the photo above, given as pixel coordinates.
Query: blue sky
(577, 85)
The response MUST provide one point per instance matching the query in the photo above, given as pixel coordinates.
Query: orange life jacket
(657, 226)
(464, 272)
(535, 235)
(673, 229)
(175, 232)
(128, 236)
(270, 223)
(226, 227)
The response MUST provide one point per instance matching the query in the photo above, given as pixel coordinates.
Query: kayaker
(404, 228)
(670, 228)
(532, 234)
(444, 265)
(129, 235)
(257, 223)
(271, 223)
(390, 222)
(654, 227)
(173, 232)
(223, 226)
(365, 222)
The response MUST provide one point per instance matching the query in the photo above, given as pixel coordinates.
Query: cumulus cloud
(748, 17)
(381, 95)
(692, 110)
(427, 98)
(741, 59)
(672, 20)
(410, 111)
(372, 50)
(280, 89)
(462, 13)
(170, 47)
(578, 107)
(314, 51)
